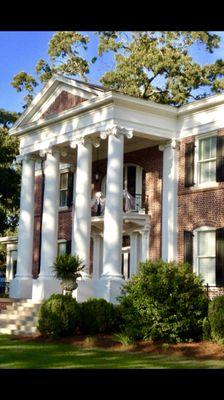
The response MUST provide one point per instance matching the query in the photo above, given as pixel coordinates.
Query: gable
(63, 101)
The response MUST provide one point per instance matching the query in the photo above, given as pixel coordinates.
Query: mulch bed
(201, 350)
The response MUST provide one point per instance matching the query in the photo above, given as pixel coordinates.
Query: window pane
(64, 181)
(206, 243)
(207, 270)
(207, 171)
(61, 248)
(213, 146)
(207, 148)
(63, 198)
(204, 172)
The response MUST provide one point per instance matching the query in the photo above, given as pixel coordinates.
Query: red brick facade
(63, 102)
(197, 207)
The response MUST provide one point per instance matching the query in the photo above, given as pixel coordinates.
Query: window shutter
(188, 247)
(189, 164)
(68, 246)
(220, 159)
(220, 256)
(70, 188)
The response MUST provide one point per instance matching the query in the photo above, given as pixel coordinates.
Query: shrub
(216, 318)
(67, 266)
(59, 316)
(165, 301)
(98, 316)
(206, 329)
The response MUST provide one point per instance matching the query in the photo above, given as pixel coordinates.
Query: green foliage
(123, 338)
(165, 301)
(216, 318)
(9, 175)
(206, 329)
(97, 316)
(151, 65)
(158, 65)
(67, 266)
(58, 316)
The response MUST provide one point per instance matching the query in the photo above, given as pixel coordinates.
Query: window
(205, 254)
(63, 189)
(206, 165)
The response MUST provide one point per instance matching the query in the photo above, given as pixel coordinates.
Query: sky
(20, 51)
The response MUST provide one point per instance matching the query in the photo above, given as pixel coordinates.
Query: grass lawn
(16, 353)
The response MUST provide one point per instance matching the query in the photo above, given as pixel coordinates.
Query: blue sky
(21, 50)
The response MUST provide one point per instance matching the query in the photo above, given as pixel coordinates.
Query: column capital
(117, 130)
(26, 157)
(80, 140)
(173, 143)
(43, 153)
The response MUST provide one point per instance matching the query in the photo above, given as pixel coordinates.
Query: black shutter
(220, 256)
(189, 164)
(68, 246)
(70, 188)
(188, 247)
(220, 159)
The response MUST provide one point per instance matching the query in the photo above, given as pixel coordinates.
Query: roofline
(212, 100)
(106, 98)
(49, 87)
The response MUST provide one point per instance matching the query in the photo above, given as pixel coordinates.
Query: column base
(85, 290)
(21, 287)
(108, 288)
(44, 287)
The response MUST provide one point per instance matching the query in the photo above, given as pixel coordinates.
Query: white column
(169, 201)
(97, 255)
(133, 253)
(21, 285)
(46, 284)
(82, 211)
(145, 243)
(113, 215)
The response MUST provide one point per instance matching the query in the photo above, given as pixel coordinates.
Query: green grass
(30, 354)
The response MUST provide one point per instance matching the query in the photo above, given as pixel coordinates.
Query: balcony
(137, 204)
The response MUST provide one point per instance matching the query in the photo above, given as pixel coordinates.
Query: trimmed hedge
(216, 318)
(98, 316)
(59, 316)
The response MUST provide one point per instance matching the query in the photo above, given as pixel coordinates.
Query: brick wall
(197, 207)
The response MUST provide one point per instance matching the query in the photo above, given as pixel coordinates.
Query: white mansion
(128, 162)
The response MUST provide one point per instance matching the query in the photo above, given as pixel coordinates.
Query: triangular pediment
(58, 95)
(64, 101)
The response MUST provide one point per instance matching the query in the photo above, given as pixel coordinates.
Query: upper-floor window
(66, 188)
(204, 160)
(206, 167)
(63, 189)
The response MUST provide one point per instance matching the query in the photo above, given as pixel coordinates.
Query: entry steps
(20, 317)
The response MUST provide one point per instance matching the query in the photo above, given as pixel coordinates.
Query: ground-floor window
(204, 248)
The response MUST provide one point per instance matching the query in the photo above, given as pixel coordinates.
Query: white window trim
(62, 171)
(61, 241)
(195, 245)
(138, 181)
(196, 162)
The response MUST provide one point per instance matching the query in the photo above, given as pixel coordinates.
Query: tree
(65, 51)
(152, 65)
(158, 65)
(9, 175)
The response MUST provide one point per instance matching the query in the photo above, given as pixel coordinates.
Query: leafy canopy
(150, 65)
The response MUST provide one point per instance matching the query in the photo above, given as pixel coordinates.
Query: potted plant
(68, 268)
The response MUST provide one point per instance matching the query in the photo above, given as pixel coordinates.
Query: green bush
(216, 318)
(98, 316)
(206, 329)
(165, 301)
(59, 316)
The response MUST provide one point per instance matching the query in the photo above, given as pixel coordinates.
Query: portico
(105, 120)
